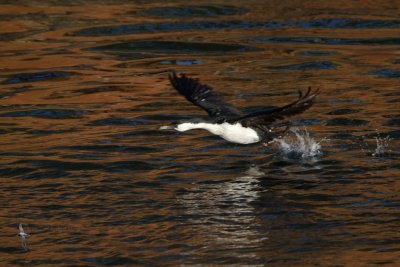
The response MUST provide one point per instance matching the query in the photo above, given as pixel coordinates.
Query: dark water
(84, 167)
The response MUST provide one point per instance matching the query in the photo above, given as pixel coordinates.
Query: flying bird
(22, 235)
(229, 122)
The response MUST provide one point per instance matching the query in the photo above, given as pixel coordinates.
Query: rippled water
(84, 167)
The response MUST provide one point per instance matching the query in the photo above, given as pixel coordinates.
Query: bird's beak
(167, 127)
(171, 126)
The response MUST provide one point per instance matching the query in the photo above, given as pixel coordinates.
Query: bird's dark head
(171, 126)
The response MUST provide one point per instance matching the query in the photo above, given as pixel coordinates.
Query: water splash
(379, 148)
(299, 144)
(382, 144)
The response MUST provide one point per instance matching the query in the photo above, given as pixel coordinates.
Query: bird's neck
(186, 126)
(234, 133)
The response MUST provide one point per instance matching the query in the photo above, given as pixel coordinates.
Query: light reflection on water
(85, 168)
(222, 215)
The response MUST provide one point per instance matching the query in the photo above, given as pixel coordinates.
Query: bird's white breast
(234, 133)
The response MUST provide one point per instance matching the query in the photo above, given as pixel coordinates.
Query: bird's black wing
(269, 116)
(203, 96)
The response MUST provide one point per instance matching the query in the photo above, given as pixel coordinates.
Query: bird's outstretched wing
(21, 230)
(304, 102)
(203, 96)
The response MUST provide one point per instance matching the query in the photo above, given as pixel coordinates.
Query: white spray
(301, 144)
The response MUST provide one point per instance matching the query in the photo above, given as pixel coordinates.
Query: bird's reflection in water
(222, 214)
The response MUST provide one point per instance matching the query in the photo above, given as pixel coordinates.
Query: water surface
(85, 168)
